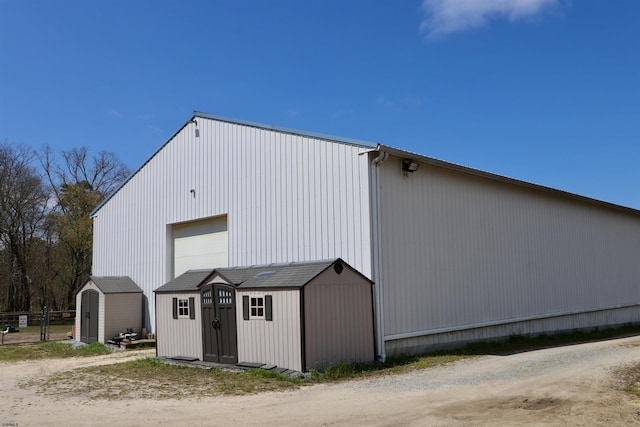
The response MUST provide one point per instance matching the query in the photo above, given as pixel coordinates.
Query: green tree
(73, 228)
(23, 210)
(80, 182)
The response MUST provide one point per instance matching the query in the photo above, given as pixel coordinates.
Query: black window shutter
(268, 312)
(192, 308)
(245, 307)
(175, 308)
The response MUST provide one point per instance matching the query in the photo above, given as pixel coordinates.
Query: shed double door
(89, 319)
(219, 339)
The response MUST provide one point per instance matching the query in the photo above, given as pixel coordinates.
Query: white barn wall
(287, 197)
(275, 342)
(182, 336)
(459, 251)
(584, 321)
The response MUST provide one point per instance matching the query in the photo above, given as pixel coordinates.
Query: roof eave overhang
(501, 178)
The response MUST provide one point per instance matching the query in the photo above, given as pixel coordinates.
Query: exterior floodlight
(409, 165)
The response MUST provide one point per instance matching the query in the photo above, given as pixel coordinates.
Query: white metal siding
(277, 342)
(569, 323)
(288, 198)
(338, 319)
(459, 251)
(122, 311)
(178, 337)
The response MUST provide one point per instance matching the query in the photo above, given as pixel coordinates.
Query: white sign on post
(23, 322)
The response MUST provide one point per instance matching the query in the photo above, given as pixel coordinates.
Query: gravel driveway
(572, 385)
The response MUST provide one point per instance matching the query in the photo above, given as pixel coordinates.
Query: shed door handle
(215, 323)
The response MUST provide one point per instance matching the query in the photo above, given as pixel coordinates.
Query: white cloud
(400, 104)
(412, 101)
(447, 16)
(114, 113)
(344, 112)
(386, 102)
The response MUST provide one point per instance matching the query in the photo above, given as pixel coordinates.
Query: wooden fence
(34, 318)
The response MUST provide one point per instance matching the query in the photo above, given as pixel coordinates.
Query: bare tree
(80, 183)
(23, 209)
(103, 172)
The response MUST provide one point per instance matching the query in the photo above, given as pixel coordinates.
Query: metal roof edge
(200, 114)
(317, 135)
(134, 173)
(281, 264)
(209, 272)
(504, 179)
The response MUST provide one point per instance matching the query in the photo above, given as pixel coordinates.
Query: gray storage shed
(297, 316)
(106, 306)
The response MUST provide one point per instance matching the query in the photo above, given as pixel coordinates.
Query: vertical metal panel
(278, 341)
(178, 337)
(613, 317)
(284, 196)
(462, 250)
(338, 319)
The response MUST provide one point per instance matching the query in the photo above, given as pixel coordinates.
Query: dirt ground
(575, 385)
(22, 337)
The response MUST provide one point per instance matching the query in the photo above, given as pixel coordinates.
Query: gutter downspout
(375, 253)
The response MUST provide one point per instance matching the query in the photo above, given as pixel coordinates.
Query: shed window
(206, 297)
(257, 308)
(183, 307)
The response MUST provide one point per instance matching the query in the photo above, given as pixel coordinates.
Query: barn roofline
(504, 179)
(377, 148)
(199, 114)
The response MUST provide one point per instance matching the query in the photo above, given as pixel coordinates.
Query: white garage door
(200, 244)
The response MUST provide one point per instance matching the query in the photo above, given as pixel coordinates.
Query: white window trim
(256, 299)
(183, 308)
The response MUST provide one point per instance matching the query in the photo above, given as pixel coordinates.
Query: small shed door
(89, 320)
(219, 324)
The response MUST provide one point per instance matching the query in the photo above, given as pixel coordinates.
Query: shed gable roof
(293, 275)
(290, 275)
(115, 284)
(186, 282)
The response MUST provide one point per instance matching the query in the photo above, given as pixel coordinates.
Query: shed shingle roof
(186, 282)
(291, 275)
(115, 285)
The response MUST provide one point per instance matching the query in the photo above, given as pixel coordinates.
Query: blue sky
(547, 91)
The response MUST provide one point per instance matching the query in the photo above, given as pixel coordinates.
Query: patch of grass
(53, 329)
(154, 379)
(48, 350)
(521, 343)
(629, 378)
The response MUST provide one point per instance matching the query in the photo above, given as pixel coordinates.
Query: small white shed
(106, 306)
(296, 316)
